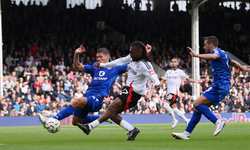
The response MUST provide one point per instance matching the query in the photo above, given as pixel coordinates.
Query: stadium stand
(39, 43)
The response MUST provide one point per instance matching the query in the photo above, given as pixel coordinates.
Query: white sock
(186, 133)
(170, 111)
(217, 122)
(94, 124)
(180, 114)
(126, 125)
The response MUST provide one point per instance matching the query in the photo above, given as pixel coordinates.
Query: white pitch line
(2, 144)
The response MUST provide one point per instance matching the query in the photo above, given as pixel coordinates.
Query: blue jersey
(221, 74)
(102, 79)
(220, 67)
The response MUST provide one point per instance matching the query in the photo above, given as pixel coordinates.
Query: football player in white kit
(173, 77)
(140, 70)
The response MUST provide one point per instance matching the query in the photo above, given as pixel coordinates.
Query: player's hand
(157, 87)
(246, 68)
(80, 50)
(148, 48)
(198, 81)
(192, 53)
(97, 65)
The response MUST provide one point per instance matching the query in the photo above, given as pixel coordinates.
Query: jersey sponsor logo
(172, 77)
(151, 72)
(100, 78)
(101, 73)
(124, 91)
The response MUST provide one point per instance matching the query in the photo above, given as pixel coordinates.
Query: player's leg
(107, 114)
(191, 125)
(170, 100)
(78, 103)
(179, 113)
(202, 104)
(133, 131)
(76, 120)
(115, 106)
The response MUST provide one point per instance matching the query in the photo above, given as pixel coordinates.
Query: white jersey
(173, 78)
(138, 74)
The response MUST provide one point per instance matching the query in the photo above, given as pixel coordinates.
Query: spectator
(59, 65)
(29, 98)
(38, 85)
(61, 106)
(63, 76)
(8, 84)
(71, 95)
(78, 94)
(32, 110)
(32, 80)
(40, 106)
(42, 98)
(242, 106)
(5, 70)
(17, 104)
(33, 49)
(63, 96)
(10, 62)
(46, 87)
(28, 62)
(33, 68)
(48, 104)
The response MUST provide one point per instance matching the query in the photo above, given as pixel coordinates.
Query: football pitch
(112, 137)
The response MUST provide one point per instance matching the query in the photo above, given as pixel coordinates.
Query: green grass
(152, 137)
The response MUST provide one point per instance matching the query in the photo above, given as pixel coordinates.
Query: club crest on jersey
(101, 73)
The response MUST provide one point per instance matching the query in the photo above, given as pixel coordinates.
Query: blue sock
(64, 113)
(206, 112)
(90, 118)
(193, 122)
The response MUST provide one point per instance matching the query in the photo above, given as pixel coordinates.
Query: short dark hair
(139, 44)
(175, 58)
(212, 39)
(103, 50)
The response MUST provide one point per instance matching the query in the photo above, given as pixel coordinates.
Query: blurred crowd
(39, 43)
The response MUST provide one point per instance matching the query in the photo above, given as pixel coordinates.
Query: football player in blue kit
(102, 80)
(220, 62)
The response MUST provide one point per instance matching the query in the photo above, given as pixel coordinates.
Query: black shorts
(172, 98)
(128, 97)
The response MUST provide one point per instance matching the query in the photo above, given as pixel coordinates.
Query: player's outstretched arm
(239, 66)
(76, 62)
(203, 56)
(117, 62)
(190, 80)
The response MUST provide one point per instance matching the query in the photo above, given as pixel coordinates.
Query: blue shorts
(216, 93)
(94, 104)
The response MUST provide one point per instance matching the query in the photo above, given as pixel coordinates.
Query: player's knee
(79, 103)
(195, 104)
(111, 106)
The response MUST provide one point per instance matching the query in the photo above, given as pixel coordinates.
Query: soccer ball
(52, 125)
